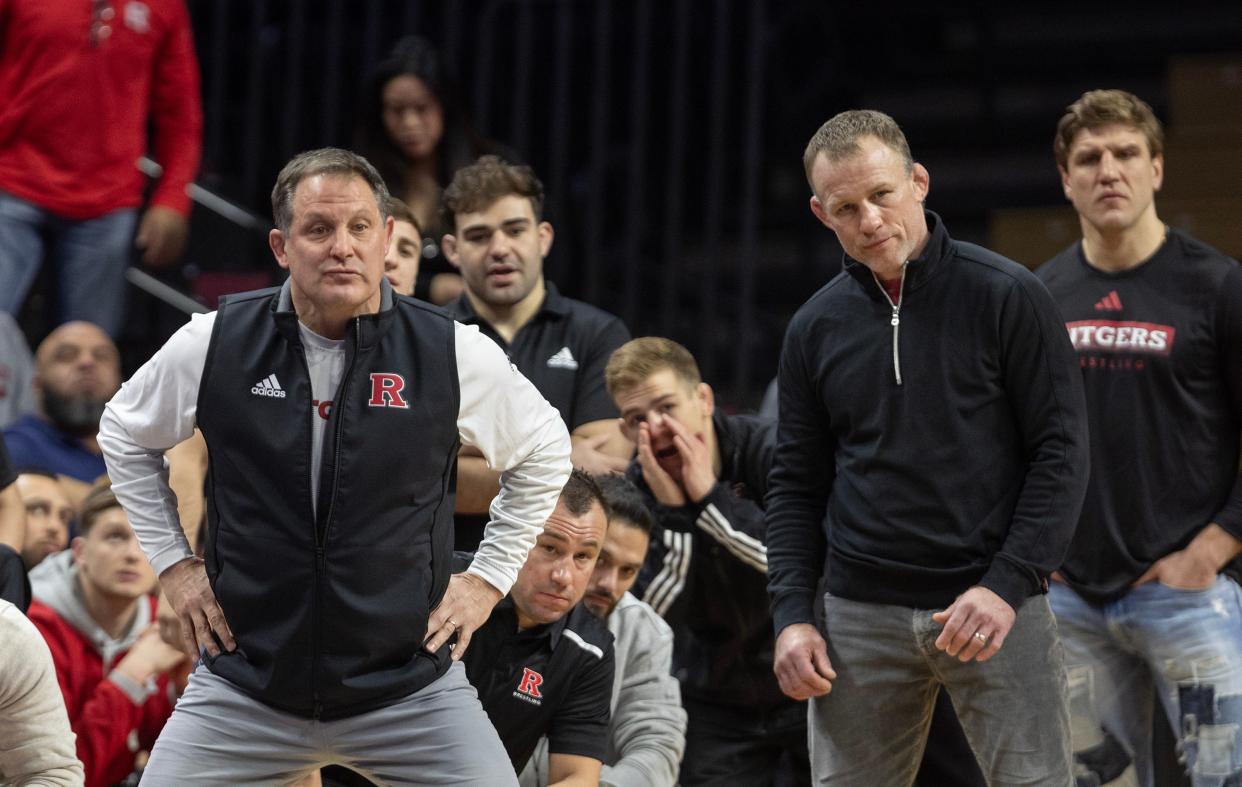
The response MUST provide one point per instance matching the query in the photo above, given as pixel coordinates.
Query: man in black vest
(333, 410)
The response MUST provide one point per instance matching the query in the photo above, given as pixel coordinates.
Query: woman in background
(416, 133)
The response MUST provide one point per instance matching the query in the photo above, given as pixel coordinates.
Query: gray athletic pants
(439, 735)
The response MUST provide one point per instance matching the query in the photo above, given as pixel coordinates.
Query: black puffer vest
(329, 610)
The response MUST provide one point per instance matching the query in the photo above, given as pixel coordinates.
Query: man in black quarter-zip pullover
(333, 411)
(930, 466)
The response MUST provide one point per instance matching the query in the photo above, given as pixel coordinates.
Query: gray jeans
(438, 735)
(872, 728)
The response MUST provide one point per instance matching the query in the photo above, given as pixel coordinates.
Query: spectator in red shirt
(93, 606)
(82, 83)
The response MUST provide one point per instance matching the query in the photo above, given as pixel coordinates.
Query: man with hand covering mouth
(703, 475)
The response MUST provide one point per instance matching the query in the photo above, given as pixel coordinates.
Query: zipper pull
(895, 322)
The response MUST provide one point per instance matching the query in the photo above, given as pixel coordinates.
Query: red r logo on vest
(386, 389)
(530, 683)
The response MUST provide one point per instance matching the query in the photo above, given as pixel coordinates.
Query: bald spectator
(77, 370)
(48, 514)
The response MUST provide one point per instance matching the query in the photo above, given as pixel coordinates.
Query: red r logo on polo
(531, 681)
(386, 390)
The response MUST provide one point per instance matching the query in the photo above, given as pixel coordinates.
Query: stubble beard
(77, 416)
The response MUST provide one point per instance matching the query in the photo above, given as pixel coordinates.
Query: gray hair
(838, 138)
(324, 161)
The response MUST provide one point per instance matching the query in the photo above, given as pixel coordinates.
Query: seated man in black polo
(542, 663)
(497, 237)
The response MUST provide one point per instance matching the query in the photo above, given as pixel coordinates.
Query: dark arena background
(669, 135)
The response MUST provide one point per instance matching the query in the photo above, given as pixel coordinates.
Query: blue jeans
(1184, 646)
(871, 729)
(89, 256)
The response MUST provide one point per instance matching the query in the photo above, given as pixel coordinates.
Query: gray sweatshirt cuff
(137, 693)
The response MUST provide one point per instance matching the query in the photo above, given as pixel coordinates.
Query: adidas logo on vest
(268, 386)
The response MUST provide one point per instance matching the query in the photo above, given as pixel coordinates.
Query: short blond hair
(1098, 108)
(635, 361)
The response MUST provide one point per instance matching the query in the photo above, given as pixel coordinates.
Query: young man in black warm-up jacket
(703, 475)
(931, 461)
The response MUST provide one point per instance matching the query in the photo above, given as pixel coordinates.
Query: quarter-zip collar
(895, 320)
(914, 273)
(918, 270)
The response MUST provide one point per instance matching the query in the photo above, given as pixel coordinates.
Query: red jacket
(111, 729)
(74, 116)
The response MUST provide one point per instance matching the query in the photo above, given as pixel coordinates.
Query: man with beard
(498, 240)
(77, 370)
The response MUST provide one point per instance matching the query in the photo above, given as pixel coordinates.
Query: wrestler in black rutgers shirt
(1160, 346)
